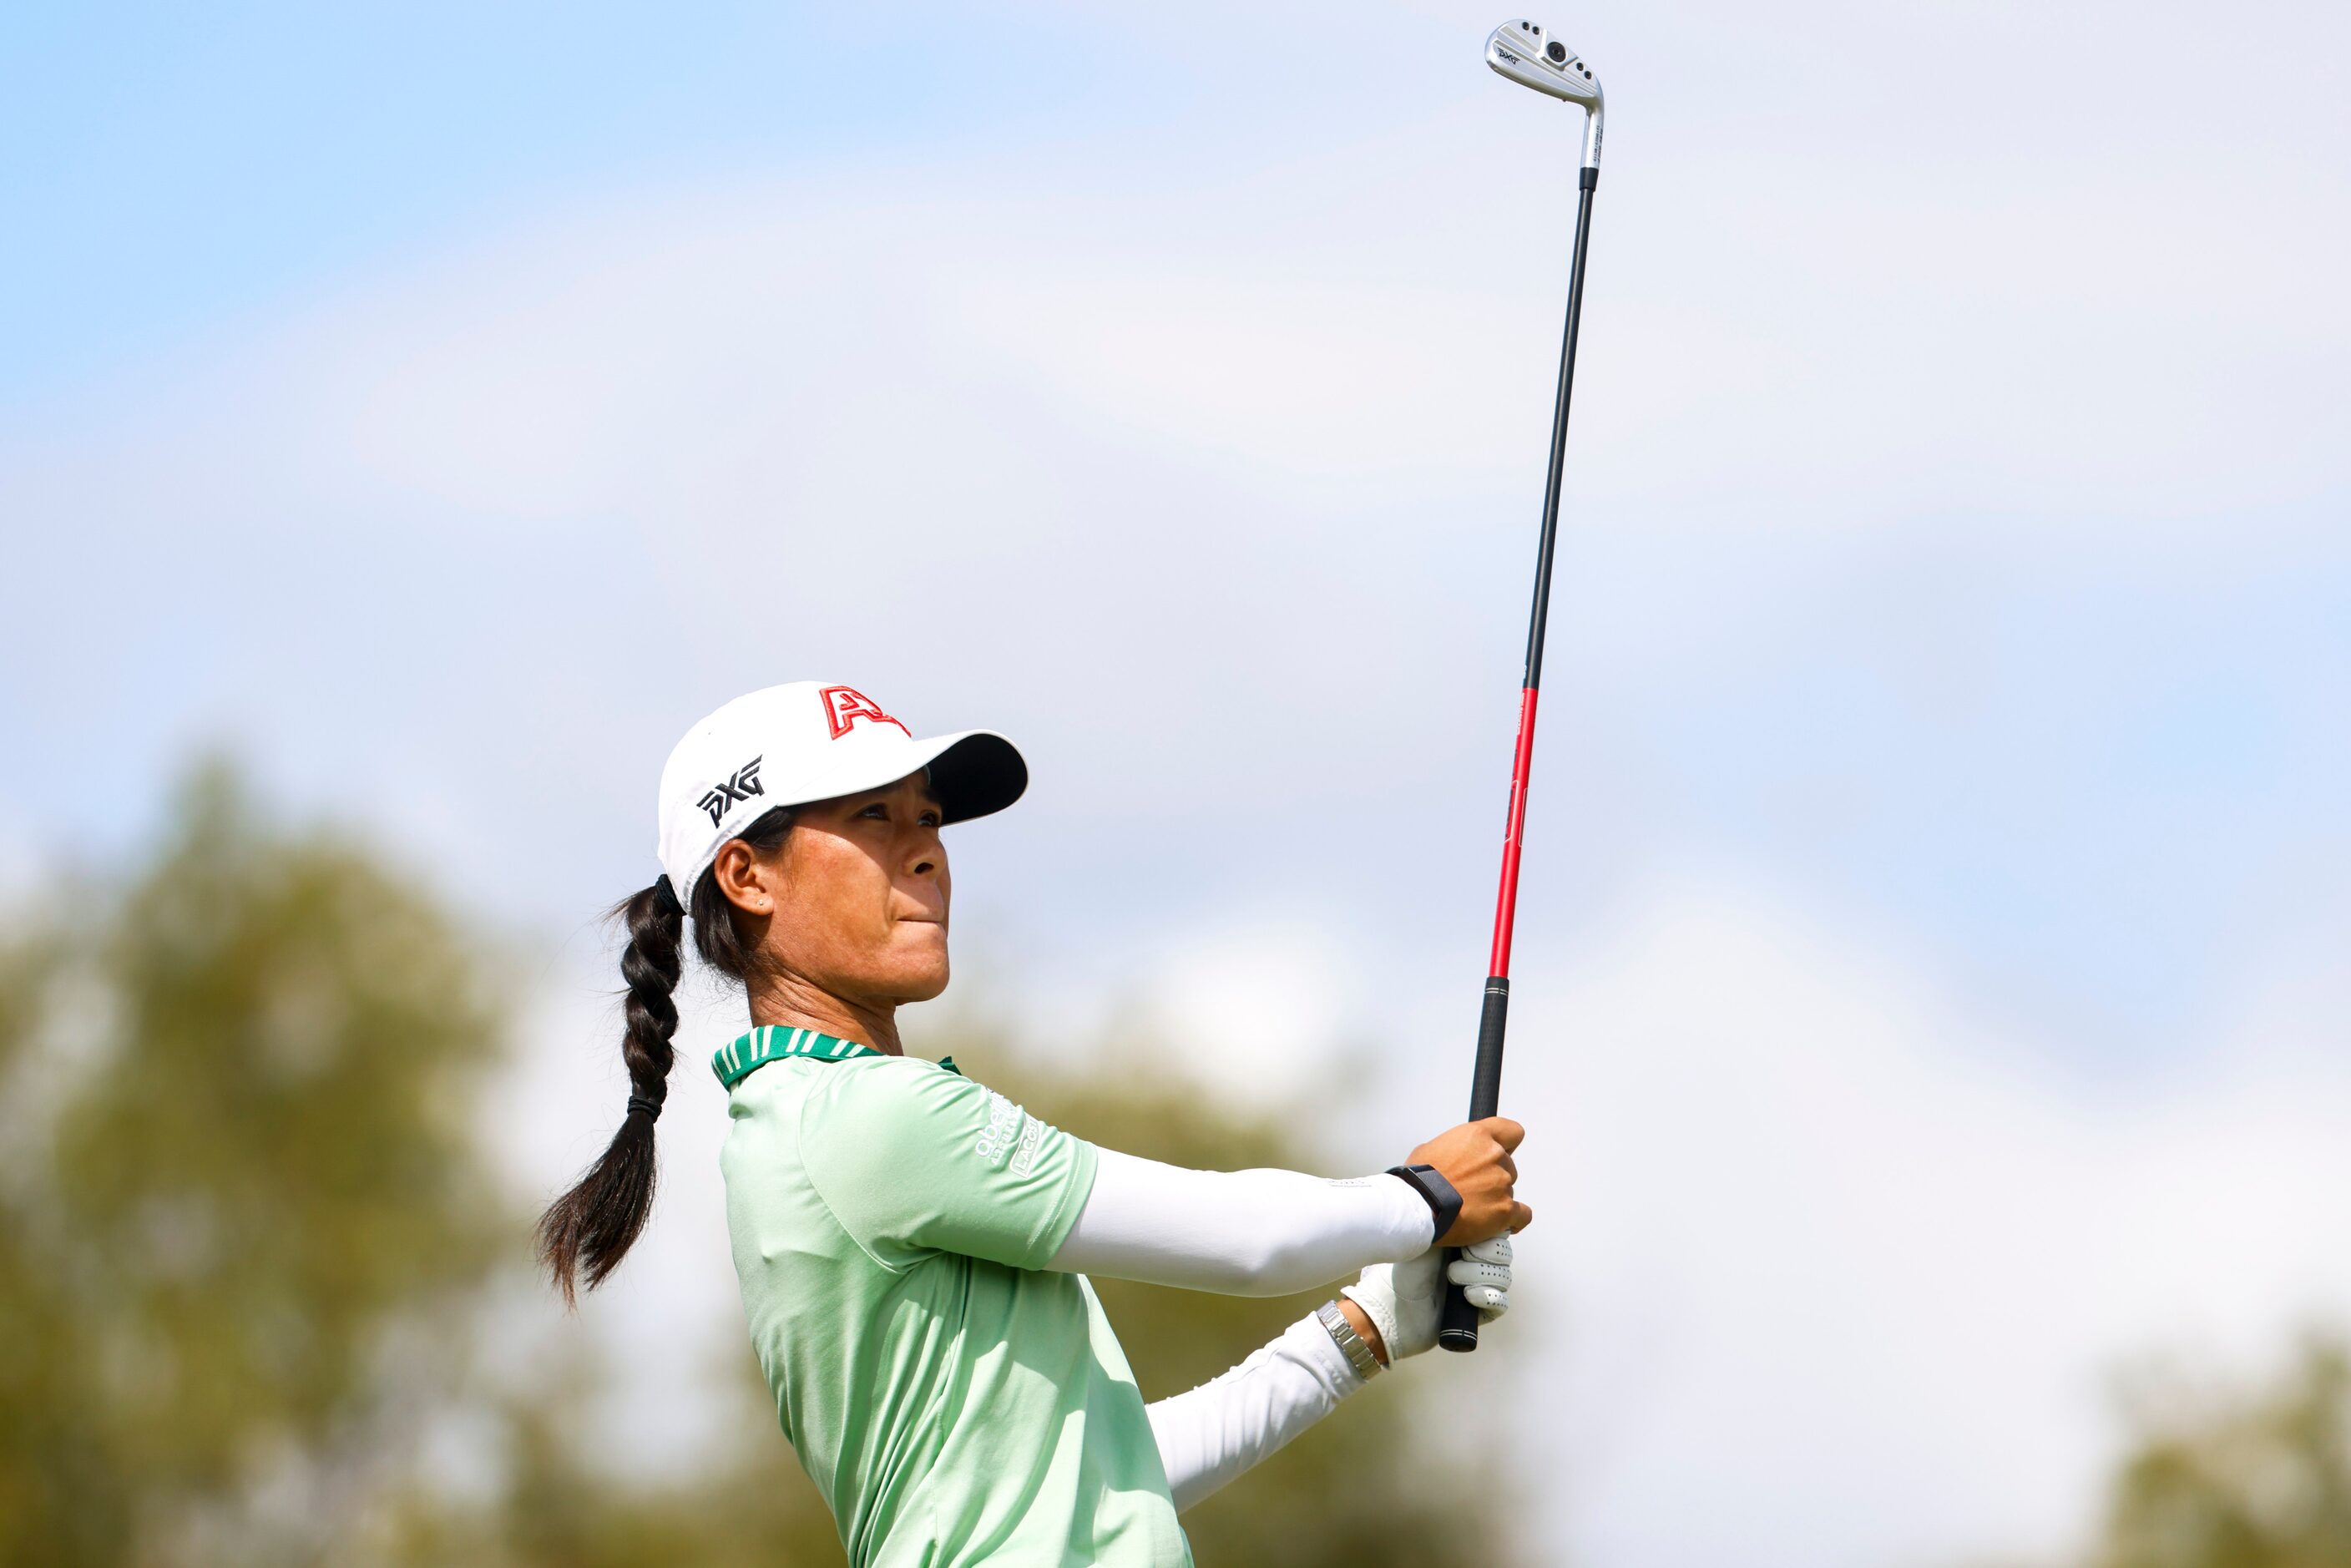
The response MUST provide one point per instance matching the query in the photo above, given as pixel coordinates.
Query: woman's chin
(919, 968)
(923, 986)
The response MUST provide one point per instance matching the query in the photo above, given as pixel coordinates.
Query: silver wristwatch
(1351, 1343)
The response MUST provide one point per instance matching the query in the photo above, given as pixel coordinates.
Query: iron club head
(1531, 56)
(1523, 52)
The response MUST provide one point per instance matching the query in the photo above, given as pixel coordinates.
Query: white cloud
(1258, 1011)
(1825, 1277)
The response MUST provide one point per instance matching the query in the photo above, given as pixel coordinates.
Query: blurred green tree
(2230, 1478)
(243, 1212)
(250, 1250)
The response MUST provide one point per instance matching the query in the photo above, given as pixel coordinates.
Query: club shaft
(1459, 1328)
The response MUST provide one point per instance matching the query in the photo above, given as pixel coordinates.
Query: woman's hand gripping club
(1405, 1302)
(1476, 1157)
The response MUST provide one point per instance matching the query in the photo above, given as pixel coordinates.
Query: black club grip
(1456, 1325)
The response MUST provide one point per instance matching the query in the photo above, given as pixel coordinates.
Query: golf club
(1525, 54)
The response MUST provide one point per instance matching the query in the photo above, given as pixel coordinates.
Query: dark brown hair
(589, 1229)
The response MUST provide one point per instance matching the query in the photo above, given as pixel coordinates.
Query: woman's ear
(747, 879)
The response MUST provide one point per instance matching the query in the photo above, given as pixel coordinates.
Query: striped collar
(770, 1042)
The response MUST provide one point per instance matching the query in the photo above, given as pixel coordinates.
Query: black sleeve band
(1444, 1203)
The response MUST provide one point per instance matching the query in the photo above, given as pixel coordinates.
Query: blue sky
(1952, 640)
(175, 172)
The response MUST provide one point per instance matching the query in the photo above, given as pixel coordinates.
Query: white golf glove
(1404, 1299)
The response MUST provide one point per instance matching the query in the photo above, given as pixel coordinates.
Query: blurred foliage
(2237, 1478)
(241, 1205)
(253, 1264)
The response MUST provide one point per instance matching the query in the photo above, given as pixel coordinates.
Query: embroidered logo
(1004, 1119)
(740, 787)
(844, 705)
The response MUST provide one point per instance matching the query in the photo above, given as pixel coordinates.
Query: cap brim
(978, 772)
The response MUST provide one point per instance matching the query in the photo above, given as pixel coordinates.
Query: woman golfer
(913, 1247)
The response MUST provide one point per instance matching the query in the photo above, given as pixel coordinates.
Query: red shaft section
(1506, 904)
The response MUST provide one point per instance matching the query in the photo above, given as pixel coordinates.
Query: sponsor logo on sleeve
(1010, 1131)
(1004, 1119)
(1032, 1138)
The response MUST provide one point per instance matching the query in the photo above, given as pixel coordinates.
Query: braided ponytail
(592, 1228)
(589, 1229)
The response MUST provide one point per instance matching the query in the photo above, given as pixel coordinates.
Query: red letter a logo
(844, 705)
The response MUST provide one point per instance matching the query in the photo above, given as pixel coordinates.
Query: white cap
(791, 745)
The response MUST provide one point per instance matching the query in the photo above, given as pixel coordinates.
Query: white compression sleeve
(1238, 1233)
(1222, 1427)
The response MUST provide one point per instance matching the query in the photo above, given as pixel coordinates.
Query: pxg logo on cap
(741, 786)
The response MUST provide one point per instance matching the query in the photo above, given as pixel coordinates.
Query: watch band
(1351, 1343)
(1444, 1203)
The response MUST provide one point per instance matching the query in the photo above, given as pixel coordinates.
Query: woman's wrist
(1365, 1329)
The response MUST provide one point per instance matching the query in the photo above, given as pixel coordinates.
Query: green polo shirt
(954, 1404)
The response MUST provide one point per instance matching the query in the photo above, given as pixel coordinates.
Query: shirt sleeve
(1219, 1429)
(912, 1159)
(1240, 1233)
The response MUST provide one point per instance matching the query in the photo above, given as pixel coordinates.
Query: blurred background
(1932, 996)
